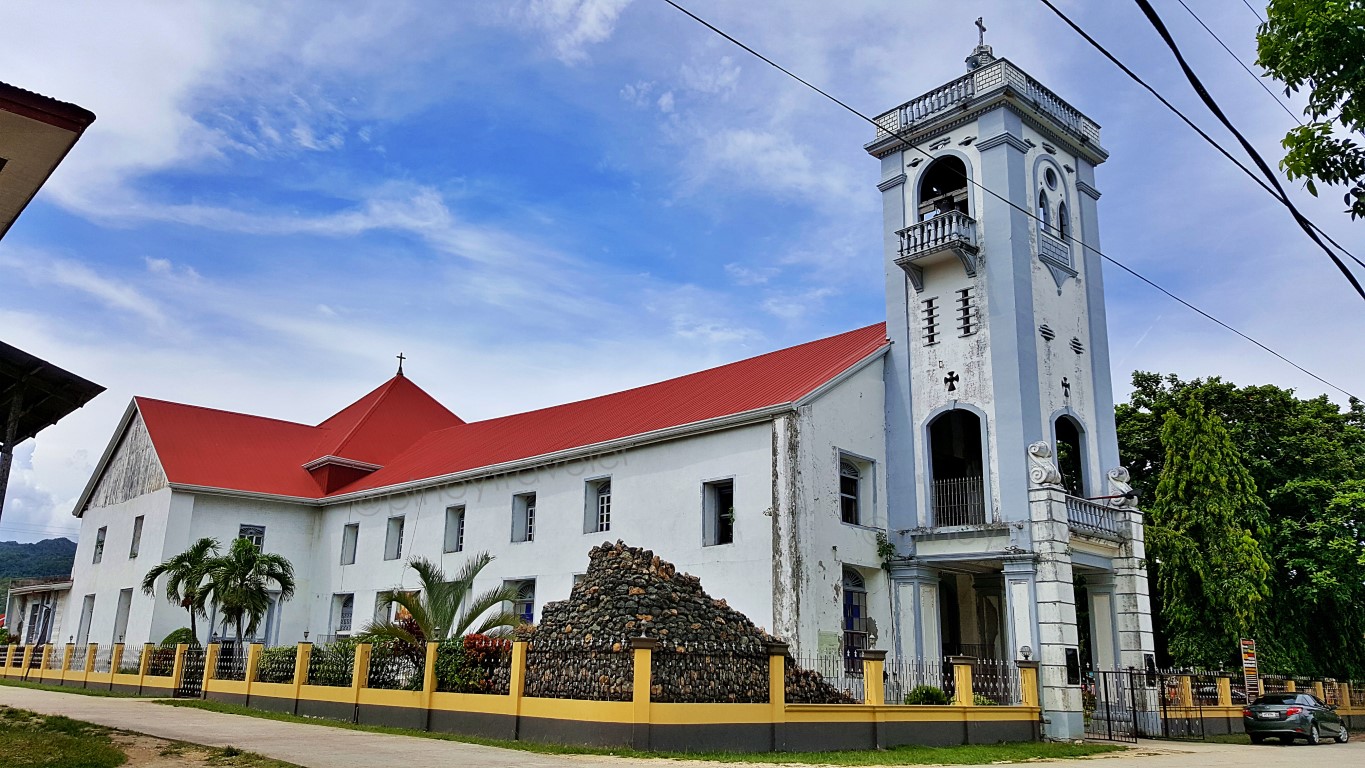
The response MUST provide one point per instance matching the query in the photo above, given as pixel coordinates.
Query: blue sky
(543, 200)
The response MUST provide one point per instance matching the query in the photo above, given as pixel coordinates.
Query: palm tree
(239, 584)
(445, 607)
(185, 582)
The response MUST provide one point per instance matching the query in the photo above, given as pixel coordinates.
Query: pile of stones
(709, 652)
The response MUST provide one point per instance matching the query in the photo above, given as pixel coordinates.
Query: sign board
(1250, 671)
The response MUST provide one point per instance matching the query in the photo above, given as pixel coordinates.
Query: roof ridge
(364, 417)
(144, 398)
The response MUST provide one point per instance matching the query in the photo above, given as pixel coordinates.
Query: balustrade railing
(944, 230)
(1089, 516)
(981, 82)
(959, 501)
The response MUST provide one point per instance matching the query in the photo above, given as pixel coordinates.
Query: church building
(943, 483)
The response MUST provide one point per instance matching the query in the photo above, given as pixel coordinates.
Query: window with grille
(966, 312)
(525, 603)
(393, 539)
(524, 517)
(349, 536)
(929, 311)
(345, 608)
(454, 539)
(137, 537)
(252, 533)
(855, 620)
(99, 543)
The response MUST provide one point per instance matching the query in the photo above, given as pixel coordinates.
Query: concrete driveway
(318, 746)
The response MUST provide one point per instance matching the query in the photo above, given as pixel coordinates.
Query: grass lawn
(963, 755)
(65, 689)
(30, 740)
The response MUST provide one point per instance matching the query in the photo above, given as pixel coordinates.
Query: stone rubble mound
(709, 652)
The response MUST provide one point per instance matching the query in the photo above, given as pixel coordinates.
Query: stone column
(1105, 648)
(914, 590)
(1055, 593)
(1132, 601)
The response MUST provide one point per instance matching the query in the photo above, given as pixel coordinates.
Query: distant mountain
(47, 558)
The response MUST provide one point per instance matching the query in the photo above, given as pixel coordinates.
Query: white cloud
(46, 269)
(575, 25)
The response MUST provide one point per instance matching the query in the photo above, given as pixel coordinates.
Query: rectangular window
(99, 543)
(524, 605)
(137, 537)
(597, 506)
(343, 608)
(349, 536)
(855, 490)
(252, 533)
(929, 311)
(524, 517)
(966, 312)
(718, 510)
(455, 529)
(393, 540)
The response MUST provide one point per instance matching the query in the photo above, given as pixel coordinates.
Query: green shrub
(276, 665)
(926, 694)
(182, 635)
(984, 701)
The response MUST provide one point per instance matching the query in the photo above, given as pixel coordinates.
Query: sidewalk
(319, 746)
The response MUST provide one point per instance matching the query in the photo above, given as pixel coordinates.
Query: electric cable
(1253, 10)
(1277, 192)
(900, 134)
(1259, 80)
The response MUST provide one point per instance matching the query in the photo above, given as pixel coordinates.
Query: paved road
(317, 746)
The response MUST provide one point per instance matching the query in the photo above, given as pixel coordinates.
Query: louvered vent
(1077, 346)
(1046, 332)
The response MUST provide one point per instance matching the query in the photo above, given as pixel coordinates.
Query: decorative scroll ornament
(1121, 488)
(1042, 467)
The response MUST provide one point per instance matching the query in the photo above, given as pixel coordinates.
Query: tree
(1206, 519)
(185, 578)
(1319, 45)
(444, 607)
(239, 583)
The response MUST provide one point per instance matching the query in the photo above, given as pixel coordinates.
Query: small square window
(252, 533)
(99, 543)
(524, 517)
(454, 529)
(718, 509)
(349, 536)
(393, 540)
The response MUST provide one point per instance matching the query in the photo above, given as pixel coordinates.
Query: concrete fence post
(28, 659)
(144, 664)
(91, 651)
(1028, 683)
(429, 676)
(302, 657)
(642, 649)
(1344, 695)
(210, 665)
(516, 683)
(68, 653)
(1319, 690)
(116, 659)
(1291, 685)
(962, 680)
(178, 668)
(9, 658)
(777, 693)
(253, 660)
(360, 671)
(1184, 691)
(45, 661)
(874, 685)
(1224, 691)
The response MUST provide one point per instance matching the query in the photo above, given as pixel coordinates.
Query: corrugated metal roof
(220, 449)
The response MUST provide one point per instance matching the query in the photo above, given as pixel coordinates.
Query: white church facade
(946, 482)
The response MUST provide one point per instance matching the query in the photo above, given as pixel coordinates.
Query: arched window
(956, 459)
(849, 502)
(1044, 213)
(1063, 222)
(1070, 457)
(524, 605)
(855, 620)
(943, 188)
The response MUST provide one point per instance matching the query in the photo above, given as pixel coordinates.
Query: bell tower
(1003, 482)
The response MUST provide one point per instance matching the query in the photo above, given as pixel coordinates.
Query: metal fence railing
(104, 658)
(996, 681)
(395, 669)
(276, 665)
(566, 670)
(161, 663)
(904, 676)
(331, 665)
(711, 673)
(845, 673)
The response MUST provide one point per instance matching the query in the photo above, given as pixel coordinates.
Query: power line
(1253, 10)
(1247, 147)
(1276, 192)
(967, 177)
(1259, 80)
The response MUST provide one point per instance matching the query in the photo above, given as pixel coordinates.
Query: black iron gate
(1127, 705)
(191, 682)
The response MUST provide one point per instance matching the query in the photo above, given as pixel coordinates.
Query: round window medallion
(1050, 176)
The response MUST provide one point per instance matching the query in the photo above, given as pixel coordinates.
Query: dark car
(1290, 716)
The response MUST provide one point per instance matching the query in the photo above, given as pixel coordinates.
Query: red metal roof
(404, 429)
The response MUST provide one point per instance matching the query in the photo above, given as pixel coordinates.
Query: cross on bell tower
(401, 358)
